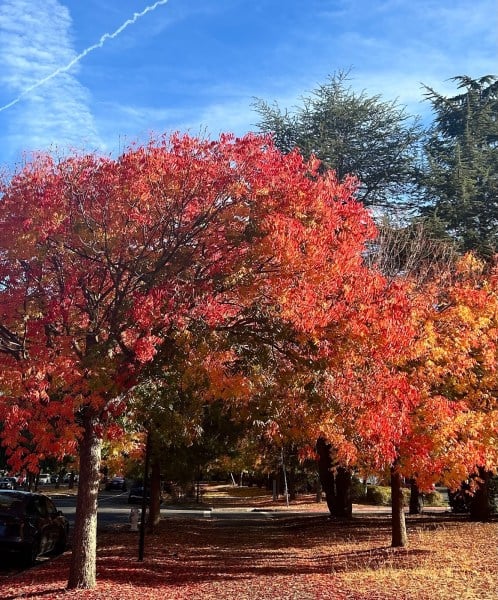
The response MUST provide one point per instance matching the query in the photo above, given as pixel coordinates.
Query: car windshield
(9, 503)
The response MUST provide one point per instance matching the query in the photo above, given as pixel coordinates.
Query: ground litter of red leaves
(304, 556)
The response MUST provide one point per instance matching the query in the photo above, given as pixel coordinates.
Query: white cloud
(35, 40)
(168, 81)
(132, 124)
(394, 46)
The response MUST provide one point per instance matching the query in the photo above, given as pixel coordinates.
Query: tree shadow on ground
(187, 552)
(184, 553)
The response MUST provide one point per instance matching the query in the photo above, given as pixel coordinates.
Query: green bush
(358, 491)
(433, 498)
(380, 495)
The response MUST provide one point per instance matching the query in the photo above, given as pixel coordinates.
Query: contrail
(99, 44)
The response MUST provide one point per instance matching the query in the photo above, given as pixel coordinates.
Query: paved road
(114, 509)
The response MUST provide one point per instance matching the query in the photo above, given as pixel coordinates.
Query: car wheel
(31, 553)
(61, 545)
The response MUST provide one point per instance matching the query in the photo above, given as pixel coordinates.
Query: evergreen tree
(461, 176)
(353, 134)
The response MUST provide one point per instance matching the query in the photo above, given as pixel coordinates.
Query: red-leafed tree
(103, 260)
(339, 339)
(100, 259)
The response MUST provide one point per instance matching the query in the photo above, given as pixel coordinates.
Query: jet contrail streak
(99, 44)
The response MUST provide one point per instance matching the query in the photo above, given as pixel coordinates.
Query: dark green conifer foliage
(461, 176)
(353, 134)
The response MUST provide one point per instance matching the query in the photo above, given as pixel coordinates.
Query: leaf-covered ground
(300, 557)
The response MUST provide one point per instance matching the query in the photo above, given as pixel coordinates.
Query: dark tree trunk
(399, 535)
(416, 500)
(325, 473)
(344, 505)
(291, 482)
(30, 482)
(335, 481)
(155, 496)
(318, 490)
(481, 503)
(82, 572)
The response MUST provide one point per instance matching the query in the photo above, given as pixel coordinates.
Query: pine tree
(353, 134)
(461, 176)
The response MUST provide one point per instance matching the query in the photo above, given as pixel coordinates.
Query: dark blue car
(30, 525)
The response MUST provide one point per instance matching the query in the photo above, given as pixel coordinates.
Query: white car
(8, 483)
(44, 479)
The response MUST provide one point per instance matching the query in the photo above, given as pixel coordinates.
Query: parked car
(8, 483)
(116, 483)
(44, 479)
(67, 478)
(31, 525)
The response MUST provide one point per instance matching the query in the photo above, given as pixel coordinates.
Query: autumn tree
(102, 259)
(454, 368)
(414, 253)
(337, 373)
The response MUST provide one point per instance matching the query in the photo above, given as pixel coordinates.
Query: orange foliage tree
(340, 331)
(102, 259)
(454, 365)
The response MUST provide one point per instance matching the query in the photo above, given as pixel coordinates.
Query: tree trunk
(30, 482)
(155, 496)
(416, 502)
(481, 503)
(82, 572)
(344, 507)
(335, 482)
(325, 473)
(292, 484)
(399, 535)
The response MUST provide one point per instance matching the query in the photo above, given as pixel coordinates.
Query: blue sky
(197, 65)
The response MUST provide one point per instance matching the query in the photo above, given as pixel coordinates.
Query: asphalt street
(114, 510)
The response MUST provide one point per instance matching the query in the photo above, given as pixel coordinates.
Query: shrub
(358, 490)
(433, 498)
(380, 495)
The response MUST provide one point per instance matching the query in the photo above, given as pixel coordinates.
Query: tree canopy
(461, 182)
(352, 134)
(106, 262)
(187, 280)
